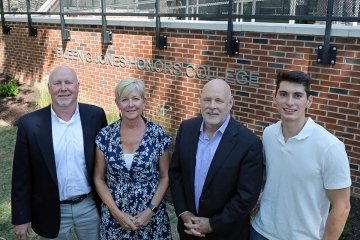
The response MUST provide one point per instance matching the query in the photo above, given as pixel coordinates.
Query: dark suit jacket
(35, 195)
(231, 187)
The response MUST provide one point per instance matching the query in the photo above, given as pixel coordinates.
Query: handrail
(326, 53)
(190, 15)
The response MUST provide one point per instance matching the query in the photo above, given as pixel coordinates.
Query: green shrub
(9, 88)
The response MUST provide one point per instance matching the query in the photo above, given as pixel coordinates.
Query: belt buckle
(76, 199)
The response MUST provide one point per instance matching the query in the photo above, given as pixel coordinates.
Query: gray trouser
(82, 217)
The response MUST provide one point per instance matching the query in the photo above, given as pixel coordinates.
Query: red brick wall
(172, 98)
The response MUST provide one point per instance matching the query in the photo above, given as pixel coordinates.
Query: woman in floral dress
(131, 171)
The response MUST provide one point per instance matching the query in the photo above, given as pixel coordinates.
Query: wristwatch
(153, 208)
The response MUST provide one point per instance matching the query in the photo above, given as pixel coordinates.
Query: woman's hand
(125, 220)
(143, 218)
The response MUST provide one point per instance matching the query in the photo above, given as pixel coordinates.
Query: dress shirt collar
(221, 129)
(74, 116)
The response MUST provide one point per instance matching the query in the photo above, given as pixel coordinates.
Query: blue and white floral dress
(133, 189)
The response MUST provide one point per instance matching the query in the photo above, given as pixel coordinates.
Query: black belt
(75, 200)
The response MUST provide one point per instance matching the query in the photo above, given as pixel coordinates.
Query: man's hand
(22, 230)
(186, 218)
(198, 226)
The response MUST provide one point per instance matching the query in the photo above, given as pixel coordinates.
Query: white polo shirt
(294, 204)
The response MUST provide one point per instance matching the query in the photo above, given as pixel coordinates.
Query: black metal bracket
(232, 48)
(32, 30)
(330, 54)
(65, 33)
(326, 53)
(162, 39)
(232, 45)
(106, 36)
(5, 28)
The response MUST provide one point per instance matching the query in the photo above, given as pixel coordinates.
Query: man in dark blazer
(52, 181)
(215, 171)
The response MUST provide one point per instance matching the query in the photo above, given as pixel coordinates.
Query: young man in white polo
(307, 169)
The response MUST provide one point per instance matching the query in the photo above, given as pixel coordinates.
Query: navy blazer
(35, 194)
(232, 185)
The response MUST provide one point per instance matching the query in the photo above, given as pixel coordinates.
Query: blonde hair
(126, 86)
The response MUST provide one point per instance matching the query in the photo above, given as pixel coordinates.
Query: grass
(7, 144)
(173, 221)
(44, 98)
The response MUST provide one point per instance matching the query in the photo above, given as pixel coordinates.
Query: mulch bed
(11, 108)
